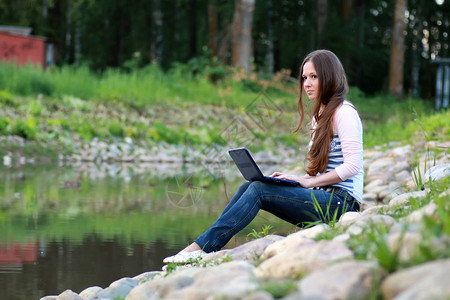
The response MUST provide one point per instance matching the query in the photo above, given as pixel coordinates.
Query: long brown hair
(332, 89)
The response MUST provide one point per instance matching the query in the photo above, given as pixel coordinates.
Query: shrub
(3, 126)
(26, 129)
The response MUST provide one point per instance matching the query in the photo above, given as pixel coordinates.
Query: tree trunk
(270, 55)
(416, 31)
(397, 50)
(68, 40)
(157, 35)
(242, 34)
(192, 29)
(212, 28)
(346, 6)
(321, 20)
(223, 53)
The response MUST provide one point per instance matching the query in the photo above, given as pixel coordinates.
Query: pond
(72, 227)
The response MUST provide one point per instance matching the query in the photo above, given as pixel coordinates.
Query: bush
(3, 126)
(26, 129)
(116, 129)
(7, 99)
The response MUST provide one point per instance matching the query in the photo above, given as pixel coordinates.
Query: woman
(334, 175)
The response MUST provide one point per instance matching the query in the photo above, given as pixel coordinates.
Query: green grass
(372, 243)
(68, 103)
(146, 86)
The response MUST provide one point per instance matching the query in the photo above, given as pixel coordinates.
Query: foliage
(325, 216)
(121, 104)
(279, 288)
(265, 230)
(112, 34)
(372, 243)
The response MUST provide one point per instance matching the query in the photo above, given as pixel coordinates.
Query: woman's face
(310, 81)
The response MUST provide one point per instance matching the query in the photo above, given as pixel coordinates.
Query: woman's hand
(304, 181)
(308, 181)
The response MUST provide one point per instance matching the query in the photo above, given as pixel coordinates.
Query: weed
(265, 230)
(326, 217)
(417, 172)
(372, 243)
(279, 288)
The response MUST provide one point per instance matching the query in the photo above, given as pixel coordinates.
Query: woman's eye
(314, 76)
(304, 77)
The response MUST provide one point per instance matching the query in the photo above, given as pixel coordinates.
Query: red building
(16, 44)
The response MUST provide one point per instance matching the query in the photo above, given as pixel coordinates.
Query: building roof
(16, 30)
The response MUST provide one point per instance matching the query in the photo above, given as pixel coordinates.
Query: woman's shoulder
(346, 111)
(346, 107)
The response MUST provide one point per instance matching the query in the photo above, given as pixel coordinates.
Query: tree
(212, 28)
(321, 20)
(397, 50)
(242, 34)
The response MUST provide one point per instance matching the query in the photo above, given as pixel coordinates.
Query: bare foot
(192, 247)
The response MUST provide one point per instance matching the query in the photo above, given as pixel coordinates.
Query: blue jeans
(292, 204)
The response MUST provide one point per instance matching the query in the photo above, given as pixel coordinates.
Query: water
(72, 227)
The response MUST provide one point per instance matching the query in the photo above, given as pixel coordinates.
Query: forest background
(264, 36)
(120, 63)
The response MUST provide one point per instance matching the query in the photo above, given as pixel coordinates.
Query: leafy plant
(265, 230)
(279, 288)
(7, 98)
(417, 173)
(372, 243)
(3, 126)
(326, 216)
(26, 129)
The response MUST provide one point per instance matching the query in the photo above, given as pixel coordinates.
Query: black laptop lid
(244, 161)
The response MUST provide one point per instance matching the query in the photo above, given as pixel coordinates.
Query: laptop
(250, 170)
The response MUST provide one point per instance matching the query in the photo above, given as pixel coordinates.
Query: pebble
(350, 279)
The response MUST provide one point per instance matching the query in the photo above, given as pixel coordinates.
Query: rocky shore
(382, 252)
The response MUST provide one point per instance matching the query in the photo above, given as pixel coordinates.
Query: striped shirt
(346, 150)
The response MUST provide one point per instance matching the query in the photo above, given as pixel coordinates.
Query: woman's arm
(349, 129)
(311, 181)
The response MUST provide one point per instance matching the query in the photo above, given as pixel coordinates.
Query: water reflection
(78, 226)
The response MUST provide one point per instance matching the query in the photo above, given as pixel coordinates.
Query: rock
(378, 189)
(370, 197)
(69, 295)
(303, 259)
(417, 215)
(49, 297)
(367, 204)
(90, 292)
(399, 167)
(380, 166)
(349, 218)
(401, 152)
(426, 281)
(373, 210)
(118, 289)
(342, 238)
(159, 287)
(247, 251)
(292, 241)
(374, 183)
(231, 280)
(357, 227)
(406, 244)
(403, 199)
(438, 172)
(344, 280)
(402, 176)
(312, 232)
(141, 278)
(259, 295)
